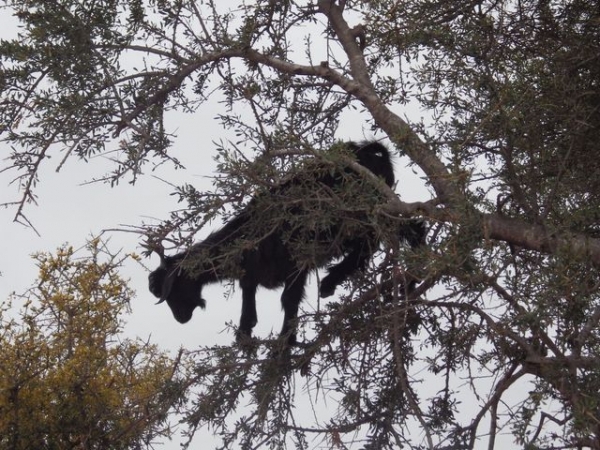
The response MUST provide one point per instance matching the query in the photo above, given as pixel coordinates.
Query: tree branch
(511, 231)
(538, 238)
(396, 128)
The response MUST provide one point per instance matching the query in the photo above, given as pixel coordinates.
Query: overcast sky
(70, 211)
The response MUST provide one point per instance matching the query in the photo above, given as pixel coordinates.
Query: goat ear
(168, 282)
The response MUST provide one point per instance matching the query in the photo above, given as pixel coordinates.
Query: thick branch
(536, 237)
(396, 128)
(347, 38)
(532, 237)
(511, 231)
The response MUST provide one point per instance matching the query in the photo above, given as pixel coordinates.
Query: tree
(68, 379)
(506, 313)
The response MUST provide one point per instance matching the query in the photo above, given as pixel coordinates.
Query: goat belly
(269, 264)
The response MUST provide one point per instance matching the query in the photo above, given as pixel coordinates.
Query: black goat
(279, 238)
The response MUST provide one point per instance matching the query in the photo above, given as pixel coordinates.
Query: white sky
(69, 211)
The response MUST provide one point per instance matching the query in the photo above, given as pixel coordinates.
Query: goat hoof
(292, 341)
(283, 345)
(281, 349)
(244, 337)
(326, 291)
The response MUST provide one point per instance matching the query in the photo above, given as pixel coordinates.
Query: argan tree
(495, 103)
(69, 379)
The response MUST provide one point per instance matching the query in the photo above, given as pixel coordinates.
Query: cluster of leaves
(510, 91)
(68, 377)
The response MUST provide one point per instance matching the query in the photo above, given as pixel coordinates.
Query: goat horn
(158, 249)
(160, 301)
(163, 259)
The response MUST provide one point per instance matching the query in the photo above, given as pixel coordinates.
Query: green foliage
(495, 103)
(68, 377)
